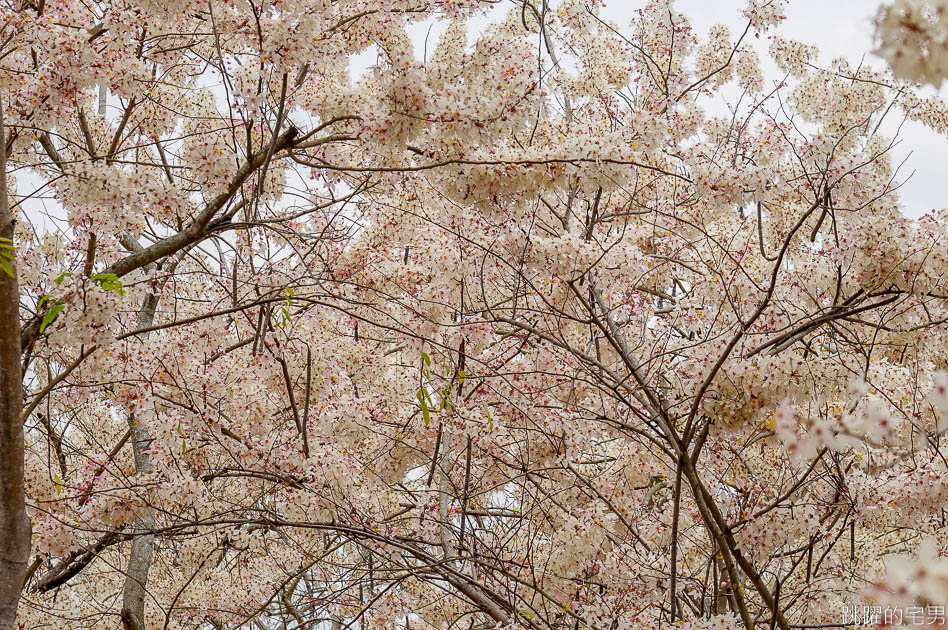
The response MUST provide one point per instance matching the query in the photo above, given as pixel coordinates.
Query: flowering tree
(512, 332)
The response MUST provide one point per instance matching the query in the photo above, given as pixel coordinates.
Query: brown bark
(14, 522)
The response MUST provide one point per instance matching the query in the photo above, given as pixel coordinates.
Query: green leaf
(490, 421)
(63, 276)
(7, 268)
(427, 396)
(460, 376)
(42, 301)
(426, 359)
(51, 315)
(110, 282)
(424, 406)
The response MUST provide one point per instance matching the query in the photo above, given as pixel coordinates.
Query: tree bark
(14, 523)
(143, 544)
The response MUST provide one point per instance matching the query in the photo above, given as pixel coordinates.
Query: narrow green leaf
(424, 406)
(7, 268)
(427, 396)
(51, 315)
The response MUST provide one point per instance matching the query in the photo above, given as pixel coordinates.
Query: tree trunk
(14, 523)
(143, 545)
